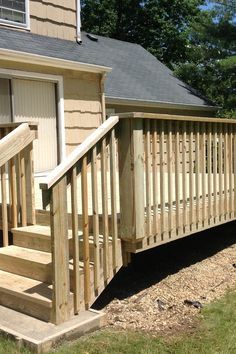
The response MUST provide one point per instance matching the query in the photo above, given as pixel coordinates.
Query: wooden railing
(77, 186)
(17, 176)
(175, 176)
(179, 174)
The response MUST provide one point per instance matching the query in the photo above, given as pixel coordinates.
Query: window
(14, 12)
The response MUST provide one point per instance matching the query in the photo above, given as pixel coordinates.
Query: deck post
(131, 172)
(30, 193)
(60, 253)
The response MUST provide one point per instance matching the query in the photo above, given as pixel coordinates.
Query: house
(113, 186)
(50, 77)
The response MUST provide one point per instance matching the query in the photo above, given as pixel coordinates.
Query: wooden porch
(139, 181)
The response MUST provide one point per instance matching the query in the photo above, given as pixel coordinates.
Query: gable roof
(136, 74)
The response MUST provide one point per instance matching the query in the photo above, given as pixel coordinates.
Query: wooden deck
(139, 181)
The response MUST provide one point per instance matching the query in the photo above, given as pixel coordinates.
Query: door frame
(58, 80)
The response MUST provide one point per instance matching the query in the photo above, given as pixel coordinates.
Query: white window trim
(58, 80)
(25, 25)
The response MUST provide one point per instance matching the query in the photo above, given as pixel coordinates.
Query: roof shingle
(136, 74)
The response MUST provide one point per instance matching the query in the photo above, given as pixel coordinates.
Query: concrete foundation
(41, 336)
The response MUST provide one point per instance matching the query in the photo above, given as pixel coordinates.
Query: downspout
(102, 93)
(78, 22)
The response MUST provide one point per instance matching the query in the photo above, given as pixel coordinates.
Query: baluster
(184, 177)
(203, 167)
(75, 240)
(105, 210)
(4, 201)
(215, 172)
(162, 179)
(13, 187)
(169, 172)
(4, 206)
(230, 172)
(94, 176)
(113, 186)
(197, 173)
(148, 177)
(191, 195)
(221, 202)
(177, 179)
(85, 220)
(29, 184)
(226, 168)
(23, 190)
(154, 176)
(209, 172)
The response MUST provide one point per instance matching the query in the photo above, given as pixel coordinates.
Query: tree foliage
(198, 42)
(160, 26)
(211, 65)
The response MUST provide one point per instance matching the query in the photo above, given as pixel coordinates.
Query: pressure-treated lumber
(75, 229)
(105, 223)
(84, 185)
(60, 252)
(113, 184)
(94, 177)
(78, 153)
(131, 179)
(15, 142)
(158, 116)
(16, 293)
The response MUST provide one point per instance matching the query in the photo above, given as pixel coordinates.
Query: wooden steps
(26, 271)
(27, 262)
(26, 295)
(38, 237)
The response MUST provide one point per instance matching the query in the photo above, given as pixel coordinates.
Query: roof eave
(156, 104)
(36, 59)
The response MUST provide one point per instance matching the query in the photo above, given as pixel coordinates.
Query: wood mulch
(164, 289)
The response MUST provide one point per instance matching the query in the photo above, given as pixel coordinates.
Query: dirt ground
(164, 288)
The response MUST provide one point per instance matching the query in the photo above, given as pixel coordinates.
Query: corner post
(30, 190)
(60, 252)
(131, 173)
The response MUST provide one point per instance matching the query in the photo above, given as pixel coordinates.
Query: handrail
(79, 152)
(17, 170)
(14, 142)
(32, 125)
(136, 115)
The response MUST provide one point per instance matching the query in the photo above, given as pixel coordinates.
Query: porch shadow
(150, 267)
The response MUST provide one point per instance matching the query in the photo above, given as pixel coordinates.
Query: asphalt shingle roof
(136, 74)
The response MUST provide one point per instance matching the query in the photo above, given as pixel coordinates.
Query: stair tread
(27, 254)
(26, 287)
(45, 231)
(34, 255)
(34, 229)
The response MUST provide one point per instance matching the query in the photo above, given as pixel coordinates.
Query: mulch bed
(164, 289)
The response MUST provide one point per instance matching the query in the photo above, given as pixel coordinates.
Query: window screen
(13, 11)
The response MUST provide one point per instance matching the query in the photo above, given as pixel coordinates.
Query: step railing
(145, 178)
(17, 176)
(84, 184)
(179, 174)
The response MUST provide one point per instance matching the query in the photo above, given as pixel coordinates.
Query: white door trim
(58, 80)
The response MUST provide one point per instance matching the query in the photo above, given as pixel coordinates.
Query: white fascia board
(23, 57)
(156, 104)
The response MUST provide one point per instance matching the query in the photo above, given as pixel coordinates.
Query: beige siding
(53, 18)
(82, 108)
(82, 100)
(125, 108)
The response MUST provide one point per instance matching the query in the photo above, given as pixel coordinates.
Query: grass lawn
(215, 334)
